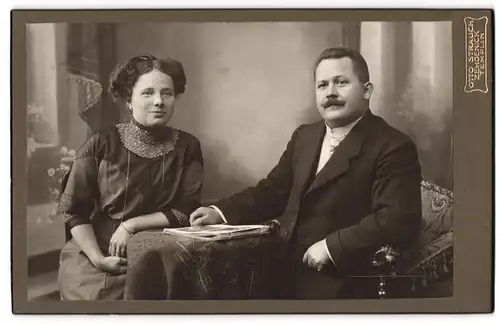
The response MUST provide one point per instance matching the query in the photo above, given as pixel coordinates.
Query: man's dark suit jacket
(367, 194)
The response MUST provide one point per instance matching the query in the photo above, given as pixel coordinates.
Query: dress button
(286, 232)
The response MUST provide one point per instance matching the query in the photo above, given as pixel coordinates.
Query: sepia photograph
(243, 160)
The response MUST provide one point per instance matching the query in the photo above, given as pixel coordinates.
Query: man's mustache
(333, 102)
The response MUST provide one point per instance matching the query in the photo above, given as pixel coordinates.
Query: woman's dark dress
(109, 183)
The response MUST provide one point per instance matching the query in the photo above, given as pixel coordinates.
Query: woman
(139, 175)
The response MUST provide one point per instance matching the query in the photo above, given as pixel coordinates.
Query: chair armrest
(433, 261)
(389, 261)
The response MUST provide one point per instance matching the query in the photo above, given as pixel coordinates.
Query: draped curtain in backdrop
(91, 56)
(411, 66)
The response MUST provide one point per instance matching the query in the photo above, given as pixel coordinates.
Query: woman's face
(153, 99)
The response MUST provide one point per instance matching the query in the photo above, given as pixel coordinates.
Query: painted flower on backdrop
(55, 175)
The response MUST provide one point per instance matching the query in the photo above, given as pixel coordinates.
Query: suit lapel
(309, 153)
(339, 162)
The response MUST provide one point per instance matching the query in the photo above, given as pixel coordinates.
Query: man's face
(341, 97)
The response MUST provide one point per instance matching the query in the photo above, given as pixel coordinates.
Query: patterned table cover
(162, 266)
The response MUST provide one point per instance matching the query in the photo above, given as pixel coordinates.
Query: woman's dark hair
(359, 64)
(124, 76)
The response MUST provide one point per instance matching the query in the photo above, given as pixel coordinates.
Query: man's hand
(316, 256)
(118, 242)
(112, 264)
(205, 216)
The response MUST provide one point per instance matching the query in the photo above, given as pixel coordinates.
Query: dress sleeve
(189, 195)
(79, 192)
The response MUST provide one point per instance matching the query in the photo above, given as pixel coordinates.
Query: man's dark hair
(358, 62)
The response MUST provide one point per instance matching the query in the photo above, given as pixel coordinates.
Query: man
(342, 188)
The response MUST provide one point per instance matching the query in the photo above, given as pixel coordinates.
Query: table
(162, 266)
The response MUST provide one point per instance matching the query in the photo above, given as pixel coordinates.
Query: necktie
(331, 145)
(335, 141)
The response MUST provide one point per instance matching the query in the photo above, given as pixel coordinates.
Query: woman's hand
(118, 242)
(112, 264)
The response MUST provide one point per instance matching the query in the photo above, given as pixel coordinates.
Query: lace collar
(145, 141)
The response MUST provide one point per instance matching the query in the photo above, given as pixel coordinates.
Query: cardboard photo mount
(472, 168)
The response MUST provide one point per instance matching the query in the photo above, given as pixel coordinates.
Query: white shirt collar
(340, 132)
